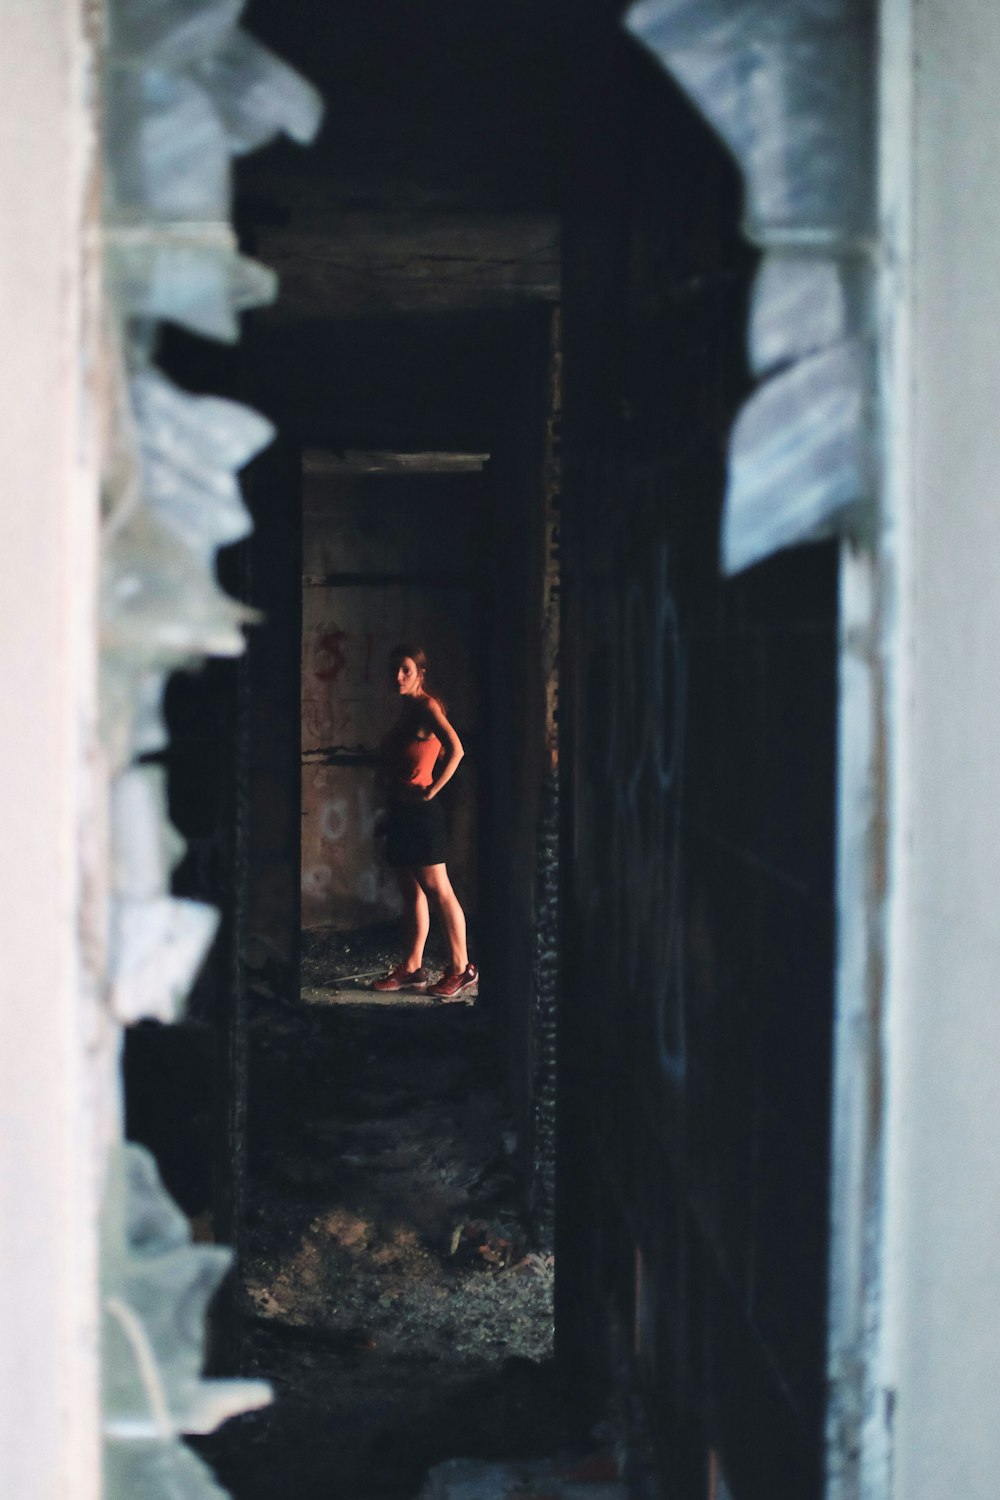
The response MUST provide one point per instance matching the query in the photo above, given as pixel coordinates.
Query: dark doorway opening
(398, 1176)
(495, 193)
(397, 1255)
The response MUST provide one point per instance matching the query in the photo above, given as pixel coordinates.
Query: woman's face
(409, 678)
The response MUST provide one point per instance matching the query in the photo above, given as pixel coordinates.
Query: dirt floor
(398, 1305)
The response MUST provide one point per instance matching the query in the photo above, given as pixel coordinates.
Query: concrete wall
(57, 1049)
(271, 878)
(942, 207)
(386, 559)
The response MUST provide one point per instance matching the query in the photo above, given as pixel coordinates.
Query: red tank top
(408, 760)
(416, 761)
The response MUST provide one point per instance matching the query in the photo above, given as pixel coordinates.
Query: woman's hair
(418, 656)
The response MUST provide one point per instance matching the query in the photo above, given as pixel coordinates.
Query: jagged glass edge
(171, 499)
(789, 87)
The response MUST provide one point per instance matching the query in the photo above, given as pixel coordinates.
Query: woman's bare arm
(452, 744)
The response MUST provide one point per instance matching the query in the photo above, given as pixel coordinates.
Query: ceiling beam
(320, 461)
(364, 264)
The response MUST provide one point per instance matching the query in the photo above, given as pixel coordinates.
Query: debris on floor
(594, 1478)
(396, 1299)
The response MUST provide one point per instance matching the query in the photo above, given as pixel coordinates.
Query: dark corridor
(516, 238)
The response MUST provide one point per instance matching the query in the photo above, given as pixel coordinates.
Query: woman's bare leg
(416, 919)
(434, 880)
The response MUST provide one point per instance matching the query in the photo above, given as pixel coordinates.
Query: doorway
(394, 550)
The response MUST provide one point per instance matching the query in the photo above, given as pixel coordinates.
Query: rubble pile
(394, 1295)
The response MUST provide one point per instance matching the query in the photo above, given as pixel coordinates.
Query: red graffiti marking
(330, 652)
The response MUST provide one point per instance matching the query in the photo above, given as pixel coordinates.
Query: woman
(422, 742)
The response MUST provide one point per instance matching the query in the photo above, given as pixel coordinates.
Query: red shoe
(400, 978)
(451, 986)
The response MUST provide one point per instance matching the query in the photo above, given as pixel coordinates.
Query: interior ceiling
(453, 101)
(435, 181)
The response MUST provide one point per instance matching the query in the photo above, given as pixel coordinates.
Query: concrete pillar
(55, 1056)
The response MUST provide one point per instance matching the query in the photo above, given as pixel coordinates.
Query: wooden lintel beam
(369, 264)
(353, 461)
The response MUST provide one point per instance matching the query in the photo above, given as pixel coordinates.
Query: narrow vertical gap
(542, 1191)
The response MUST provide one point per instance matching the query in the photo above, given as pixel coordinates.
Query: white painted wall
(53, 1051)
(942, 1268)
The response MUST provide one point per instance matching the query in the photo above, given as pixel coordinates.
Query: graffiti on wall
(338, 695)
(341, 869)
(633, 798)
(329, 659)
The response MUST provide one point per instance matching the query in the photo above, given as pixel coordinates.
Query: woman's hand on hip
(408, 793)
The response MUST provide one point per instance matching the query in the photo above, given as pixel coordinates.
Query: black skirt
(416, 833)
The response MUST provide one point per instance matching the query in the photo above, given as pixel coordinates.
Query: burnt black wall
(698, 743)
